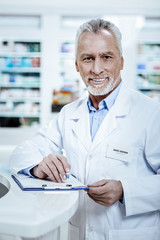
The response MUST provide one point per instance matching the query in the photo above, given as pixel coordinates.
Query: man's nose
(97, 67)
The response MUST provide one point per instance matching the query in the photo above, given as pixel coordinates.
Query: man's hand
(52, 166)
(106, 192)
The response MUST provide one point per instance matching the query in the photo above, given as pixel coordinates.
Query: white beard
(96, 90)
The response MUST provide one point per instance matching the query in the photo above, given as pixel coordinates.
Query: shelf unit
(68, 89)
(70, 86)
(20, 81)
(148, 69)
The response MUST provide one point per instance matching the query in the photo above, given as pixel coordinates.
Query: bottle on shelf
(148, 69)
(20, 81)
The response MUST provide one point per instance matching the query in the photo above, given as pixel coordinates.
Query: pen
(67, 173)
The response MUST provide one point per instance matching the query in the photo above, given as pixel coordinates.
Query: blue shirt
(95, 116)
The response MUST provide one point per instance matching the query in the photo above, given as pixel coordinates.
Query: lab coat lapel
(81, 126)
(110, 122)
(107, 126)
(80, 120)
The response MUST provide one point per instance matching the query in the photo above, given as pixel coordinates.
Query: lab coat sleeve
(47, 140)
(142, 193)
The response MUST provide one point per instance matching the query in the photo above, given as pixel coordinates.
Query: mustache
(98, 77)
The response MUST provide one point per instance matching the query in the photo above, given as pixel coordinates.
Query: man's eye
(87, 59)
(107, 57)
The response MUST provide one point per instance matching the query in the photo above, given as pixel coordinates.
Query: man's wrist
(121, 191)
(121, 199)
(33, 171)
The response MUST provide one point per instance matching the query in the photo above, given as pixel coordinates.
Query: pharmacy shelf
(20, 79)
(21, 70)
(19, 85)
(148, 57)
(67, 56)
(148, 87)
(19, 114)
(20, 54)
(147, 72)
(148, 68)
(16, 100)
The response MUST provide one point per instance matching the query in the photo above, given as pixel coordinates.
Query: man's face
(99, 62)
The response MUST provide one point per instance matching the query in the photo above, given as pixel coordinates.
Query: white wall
(71, 6)
(10, 138)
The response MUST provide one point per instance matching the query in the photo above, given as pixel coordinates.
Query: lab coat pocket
(73, 232)
(120, 152)
(150, 233)
(121, 160)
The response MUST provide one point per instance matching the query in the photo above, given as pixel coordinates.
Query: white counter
(34, 214)
(11, 137)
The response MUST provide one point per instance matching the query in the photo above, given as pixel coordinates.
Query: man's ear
(122, 62)
(76, 65)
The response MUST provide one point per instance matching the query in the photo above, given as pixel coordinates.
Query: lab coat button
(90, 229)
(90, 157)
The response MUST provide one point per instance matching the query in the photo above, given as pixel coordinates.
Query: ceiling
(83, 7)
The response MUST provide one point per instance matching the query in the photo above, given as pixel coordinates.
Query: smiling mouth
(98, 80)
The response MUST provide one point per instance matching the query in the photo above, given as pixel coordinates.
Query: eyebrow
(85, 55)
(108, 53)
(91, 54)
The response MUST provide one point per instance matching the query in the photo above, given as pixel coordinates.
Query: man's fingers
(53, 170)
(64, 162)
(106, 194)
(99, 188)
(99, 201)
(56, 168)
(53, 166)
(99, 183)
(47, 168)
(44, 170)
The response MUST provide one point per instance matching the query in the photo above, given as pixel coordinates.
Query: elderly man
(112, 144)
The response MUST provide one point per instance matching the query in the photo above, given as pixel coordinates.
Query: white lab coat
(126, 148)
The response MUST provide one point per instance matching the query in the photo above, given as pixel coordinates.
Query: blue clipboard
(45, 185)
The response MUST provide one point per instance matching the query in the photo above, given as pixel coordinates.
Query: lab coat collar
(81, 125)
(110, 122)
(80, 118)
(122, 103)
(120, 107)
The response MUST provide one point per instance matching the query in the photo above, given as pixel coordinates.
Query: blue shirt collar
(106, 103)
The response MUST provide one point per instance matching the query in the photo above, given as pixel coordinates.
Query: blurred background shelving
(148, 69)
(148, 58)
(37, 58)
(37, 54)
(20, 82)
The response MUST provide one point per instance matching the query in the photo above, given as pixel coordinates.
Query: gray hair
(96, 25)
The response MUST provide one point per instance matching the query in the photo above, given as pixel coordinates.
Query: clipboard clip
(67, 186)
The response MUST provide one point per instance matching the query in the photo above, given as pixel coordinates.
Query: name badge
(120, 152)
